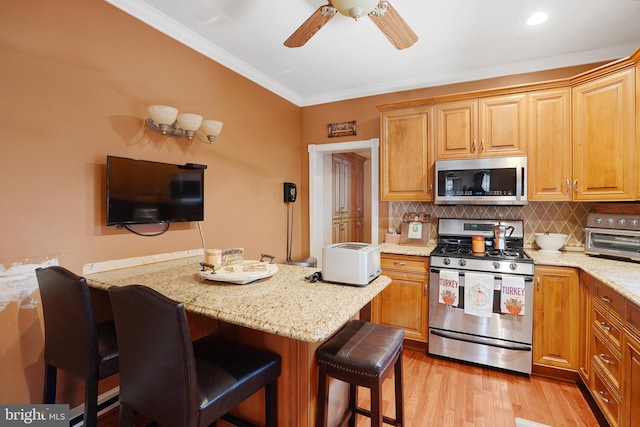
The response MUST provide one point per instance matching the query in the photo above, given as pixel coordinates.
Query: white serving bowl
(550, 242)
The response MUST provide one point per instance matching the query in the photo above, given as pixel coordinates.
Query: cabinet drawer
(408, 265)
(608, 297)
(606, 358)
(607, 399)
(608, 325)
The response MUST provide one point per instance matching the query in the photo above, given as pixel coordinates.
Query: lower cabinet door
(404, 303)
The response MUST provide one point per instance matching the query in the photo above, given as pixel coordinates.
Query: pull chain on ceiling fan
(381, 13)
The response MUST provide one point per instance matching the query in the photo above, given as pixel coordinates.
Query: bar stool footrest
(385, 419)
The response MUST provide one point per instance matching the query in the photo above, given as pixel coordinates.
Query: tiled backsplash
(555, 217)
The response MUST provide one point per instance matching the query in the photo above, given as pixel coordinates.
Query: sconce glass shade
(354, 8)
(189, 123)
(163, 115)
(211, 128)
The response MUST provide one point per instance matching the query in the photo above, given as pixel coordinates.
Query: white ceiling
(459, 40)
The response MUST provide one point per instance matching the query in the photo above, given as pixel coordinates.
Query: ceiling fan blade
(393, 26)
(311, 26)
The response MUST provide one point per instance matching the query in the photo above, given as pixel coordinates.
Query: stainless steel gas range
(481, 294)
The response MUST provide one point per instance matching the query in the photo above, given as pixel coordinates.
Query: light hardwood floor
(444, 393)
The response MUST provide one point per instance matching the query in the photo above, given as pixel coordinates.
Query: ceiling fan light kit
(354, 8)
(383, 15)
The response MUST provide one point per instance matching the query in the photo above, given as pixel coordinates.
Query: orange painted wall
(76, 77)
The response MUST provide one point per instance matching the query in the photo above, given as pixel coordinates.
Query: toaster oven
(613, 235)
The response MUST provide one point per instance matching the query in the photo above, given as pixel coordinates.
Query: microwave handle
(520, 179)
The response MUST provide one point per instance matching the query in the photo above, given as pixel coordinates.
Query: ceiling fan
(379, 11)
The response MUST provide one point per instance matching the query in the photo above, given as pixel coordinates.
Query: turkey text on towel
(448, 287)
(512, 295)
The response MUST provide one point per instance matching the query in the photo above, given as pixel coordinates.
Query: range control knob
(634, 222)
(622, 221)
(446, 261)
(513, 266)
(598, 220)
(496, 264)
(462, 262)
(608, 221)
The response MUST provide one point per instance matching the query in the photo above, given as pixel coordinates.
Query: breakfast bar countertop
(284, 304)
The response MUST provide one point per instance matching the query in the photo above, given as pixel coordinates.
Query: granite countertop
(623, 277)
(284, 304)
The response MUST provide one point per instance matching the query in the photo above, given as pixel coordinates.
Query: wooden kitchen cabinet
(584, 326)
(631, 367)
(484, 127)
(406, 153)
(555, 323)
(605, 351)
(550, 153)
(604, 146)
(405, 302)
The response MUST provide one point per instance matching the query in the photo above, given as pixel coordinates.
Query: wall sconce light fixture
(166, 121)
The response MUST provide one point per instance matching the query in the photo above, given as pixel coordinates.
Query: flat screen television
(147, 192)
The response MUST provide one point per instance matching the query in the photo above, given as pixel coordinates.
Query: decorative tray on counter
(242, 273)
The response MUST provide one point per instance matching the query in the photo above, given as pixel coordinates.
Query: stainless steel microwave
(491, 181)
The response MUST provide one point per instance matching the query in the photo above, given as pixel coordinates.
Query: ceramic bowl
(550, 242)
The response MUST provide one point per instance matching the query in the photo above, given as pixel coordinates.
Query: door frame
(320, 191)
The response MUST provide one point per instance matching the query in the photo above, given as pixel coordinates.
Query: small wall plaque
(342, 129)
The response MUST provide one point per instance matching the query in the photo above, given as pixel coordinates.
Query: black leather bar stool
(179, 383)
(73, 342)
(361, 354)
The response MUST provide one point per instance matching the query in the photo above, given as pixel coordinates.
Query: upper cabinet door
(457, 129)
(604, 138)
(503, 126)
(550, 145)
(485, 127)
(406, 154)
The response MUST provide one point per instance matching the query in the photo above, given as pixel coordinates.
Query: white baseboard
(79, 410)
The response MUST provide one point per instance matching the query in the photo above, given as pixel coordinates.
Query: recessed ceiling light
(537, 18)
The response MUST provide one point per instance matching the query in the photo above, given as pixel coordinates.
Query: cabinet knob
(575, 185)
(399, 263)
(568, 186)
(473, 148)
(606, 299)
(482, 144)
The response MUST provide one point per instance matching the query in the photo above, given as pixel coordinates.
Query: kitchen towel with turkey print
(448, 287)
(512, 295)
(478, 294)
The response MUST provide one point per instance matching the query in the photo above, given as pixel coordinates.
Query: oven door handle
(480, 340)
(499, 277)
